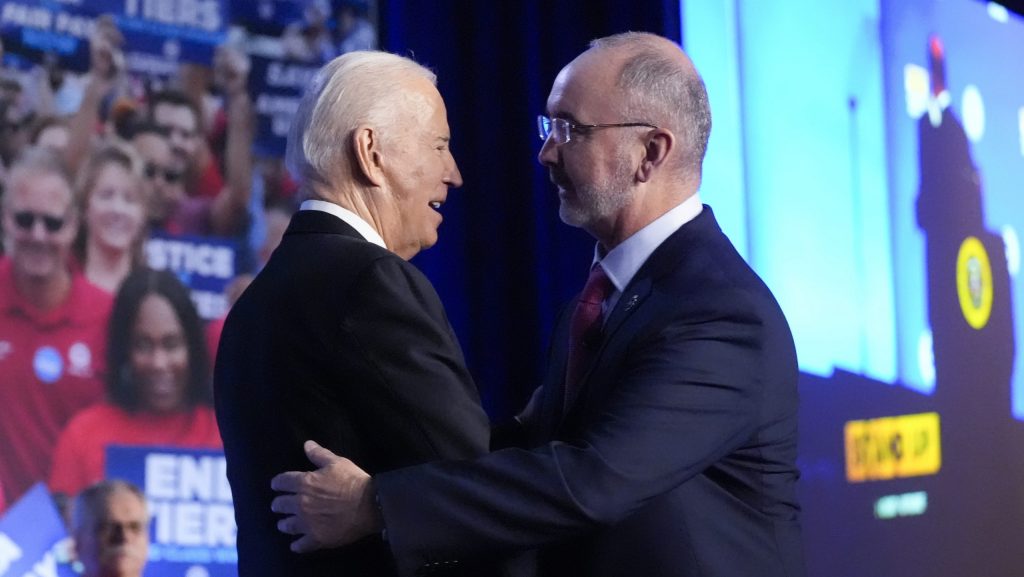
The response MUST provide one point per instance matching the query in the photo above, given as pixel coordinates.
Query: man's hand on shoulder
(330, 507)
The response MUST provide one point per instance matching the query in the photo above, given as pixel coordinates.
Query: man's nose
(38, 230)
(454, 176)
(548, 155)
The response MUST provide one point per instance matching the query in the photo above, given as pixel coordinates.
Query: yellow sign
(974, 282)
(893, 447)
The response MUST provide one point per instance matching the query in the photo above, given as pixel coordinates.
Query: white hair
(361, 87)
(35, 161)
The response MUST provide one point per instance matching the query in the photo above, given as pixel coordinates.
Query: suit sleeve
(688, 394)
(427, 403)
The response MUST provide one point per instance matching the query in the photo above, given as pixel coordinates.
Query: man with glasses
(224, 210)
(52, 321)
(663, 439)
(163, 181)
(110, 524)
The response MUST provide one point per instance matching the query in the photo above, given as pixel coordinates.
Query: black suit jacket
(677, 459)
(343, 342)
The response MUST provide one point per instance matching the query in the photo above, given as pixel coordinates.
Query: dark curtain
(505, 264)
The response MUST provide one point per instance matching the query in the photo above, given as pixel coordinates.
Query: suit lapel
(662, 261)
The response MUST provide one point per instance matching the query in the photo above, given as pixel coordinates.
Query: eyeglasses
(27, 220)
(108, 529)
(170, 176)
(561, 129)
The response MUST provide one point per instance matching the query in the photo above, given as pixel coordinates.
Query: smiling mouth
(435, 204)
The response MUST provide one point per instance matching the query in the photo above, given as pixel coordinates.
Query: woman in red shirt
(157, 381)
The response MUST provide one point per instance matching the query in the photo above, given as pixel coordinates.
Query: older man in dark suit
(663, 439)
(339, 338)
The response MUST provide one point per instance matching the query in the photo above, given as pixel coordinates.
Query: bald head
(659, 81)
(635, 125)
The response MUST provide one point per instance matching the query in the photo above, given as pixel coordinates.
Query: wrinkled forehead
(418, 110)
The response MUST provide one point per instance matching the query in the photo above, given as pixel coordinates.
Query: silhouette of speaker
(971, 316)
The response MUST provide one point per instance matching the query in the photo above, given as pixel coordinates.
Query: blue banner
(204, 264)
(193, 530)
(159, 34)
(267, 17)
(276, 87)
(33, 541)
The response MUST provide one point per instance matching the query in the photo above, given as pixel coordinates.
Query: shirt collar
(352, 219)
(623, 261)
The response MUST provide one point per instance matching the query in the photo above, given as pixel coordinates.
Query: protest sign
(204, 264)
(193, 529)
(33, 541)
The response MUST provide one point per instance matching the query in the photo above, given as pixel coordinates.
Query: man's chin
(37, 270)
(570, 215)
(123, 559)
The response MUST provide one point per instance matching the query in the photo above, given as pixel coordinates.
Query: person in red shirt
(226, 201)
(52, 321)
(158, 385)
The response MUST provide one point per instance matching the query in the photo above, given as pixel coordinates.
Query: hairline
(85, 510)
(354, 89)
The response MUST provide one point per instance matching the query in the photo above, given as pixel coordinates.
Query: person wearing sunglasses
(110, 525)
(224, 210)
(663, 440)
(52, 320)
(163, 182)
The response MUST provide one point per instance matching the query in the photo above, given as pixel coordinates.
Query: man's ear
(659, 144)
(369, 158)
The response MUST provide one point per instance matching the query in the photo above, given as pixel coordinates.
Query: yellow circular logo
(974, 282)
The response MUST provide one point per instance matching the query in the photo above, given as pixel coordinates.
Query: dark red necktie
(585, 330)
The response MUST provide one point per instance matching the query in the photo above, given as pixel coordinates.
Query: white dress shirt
(622, 262)
(350, 218)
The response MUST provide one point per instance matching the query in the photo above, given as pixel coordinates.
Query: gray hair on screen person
(110, 524)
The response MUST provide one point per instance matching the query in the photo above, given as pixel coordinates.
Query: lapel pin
(631, 304)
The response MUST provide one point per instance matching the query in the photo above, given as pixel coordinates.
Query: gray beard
(601, 201)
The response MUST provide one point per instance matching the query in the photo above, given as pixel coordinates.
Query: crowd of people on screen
(96, 347)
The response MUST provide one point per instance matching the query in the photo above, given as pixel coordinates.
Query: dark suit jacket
(343, 342)
(678, 459)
